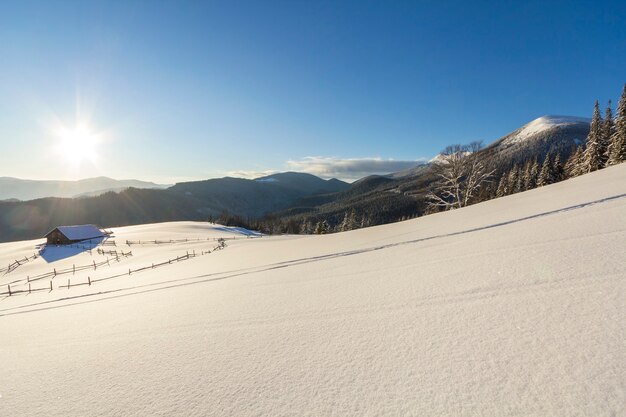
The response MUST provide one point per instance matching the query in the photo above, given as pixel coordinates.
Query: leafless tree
(461, 174)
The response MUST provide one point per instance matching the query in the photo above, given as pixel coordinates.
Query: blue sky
(173, 91)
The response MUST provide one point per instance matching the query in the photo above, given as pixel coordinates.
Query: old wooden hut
(65, 235)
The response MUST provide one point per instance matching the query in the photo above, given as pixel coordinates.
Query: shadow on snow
(53, 253)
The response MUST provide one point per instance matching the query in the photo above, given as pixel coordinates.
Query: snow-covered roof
(79, 232)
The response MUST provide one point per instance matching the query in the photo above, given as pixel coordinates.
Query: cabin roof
(79, 232)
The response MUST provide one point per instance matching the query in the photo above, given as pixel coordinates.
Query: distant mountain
(196, 200)
(20, 189)
(254, 198)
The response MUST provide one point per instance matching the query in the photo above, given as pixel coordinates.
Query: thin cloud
(350, 168)
(251, 174)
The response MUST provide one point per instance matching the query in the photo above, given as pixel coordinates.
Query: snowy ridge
(542, 124)
(510, 307)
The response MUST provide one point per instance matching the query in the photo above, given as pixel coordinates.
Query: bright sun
(77, 144)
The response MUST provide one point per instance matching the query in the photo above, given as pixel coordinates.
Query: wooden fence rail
(188, 255)
(94, 265)
(170, 241)
(17, 263)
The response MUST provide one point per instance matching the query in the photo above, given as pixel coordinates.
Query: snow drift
(510, 307)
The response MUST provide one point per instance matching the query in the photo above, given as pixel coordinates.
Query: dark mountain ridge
(196, 200)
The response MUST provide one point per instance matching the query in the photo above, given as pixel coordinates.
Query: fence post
(73, 269)
(29, 287)
(55, 272)
(50, 285)
(27, 278)
(94, 265)
(89, 280)
(9, 286)
(128, 271)
(68, 283)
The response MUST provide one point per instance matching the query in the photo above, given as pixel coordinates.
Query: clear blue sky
(184, 90)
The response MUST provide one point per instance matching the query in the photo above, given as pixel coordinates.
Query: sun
(77, 144)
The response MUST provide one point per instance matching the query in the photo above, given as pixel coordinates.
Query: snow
(544, 123)
(81, 232)
(510, 307)
(440, 158)
(437, 159)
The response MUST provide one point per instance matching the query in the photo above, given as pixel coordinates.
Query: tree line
(463, 177)
(604, 146)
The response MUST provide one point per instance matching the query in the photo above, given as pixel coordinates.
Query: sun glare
(78, 144)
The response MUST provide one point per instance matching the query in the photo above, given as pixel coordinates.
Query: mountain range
(290, 196)
(20, 189)
(385, 198)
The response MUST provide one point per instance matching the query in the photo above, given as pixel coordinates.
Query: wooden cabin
(65, 235)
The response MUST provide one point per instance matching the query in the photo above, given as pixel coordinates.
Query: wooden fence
(208, 239)
(94, 265)
(10, 292)
(18, 262)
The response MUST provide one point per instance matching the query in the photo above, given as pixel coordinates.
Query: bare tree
(461, 174)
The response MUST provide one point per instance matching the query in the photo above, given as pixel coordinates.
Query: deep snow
(510, 307)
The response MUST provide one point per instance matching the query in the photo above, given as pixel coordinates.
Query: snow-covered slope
(510, 307)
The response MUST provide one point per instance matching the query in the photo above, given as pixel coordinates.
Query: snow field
(510, 307)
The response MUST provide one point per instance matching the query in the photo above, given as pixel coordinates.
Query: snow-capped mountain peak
(544, 123)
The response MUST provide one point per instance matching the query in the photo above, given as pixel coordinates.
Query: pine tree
(617, 147)
(349, 221)
(608, 127)
(573, 162)
(558, 172)
(322, 227)
(592, 157)
(525, 178)
(502, 191)
(307, 227)
(529, 175)
(365, 221)
(511, 183)
(534, 174)
(519, 183)
(546, 174)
